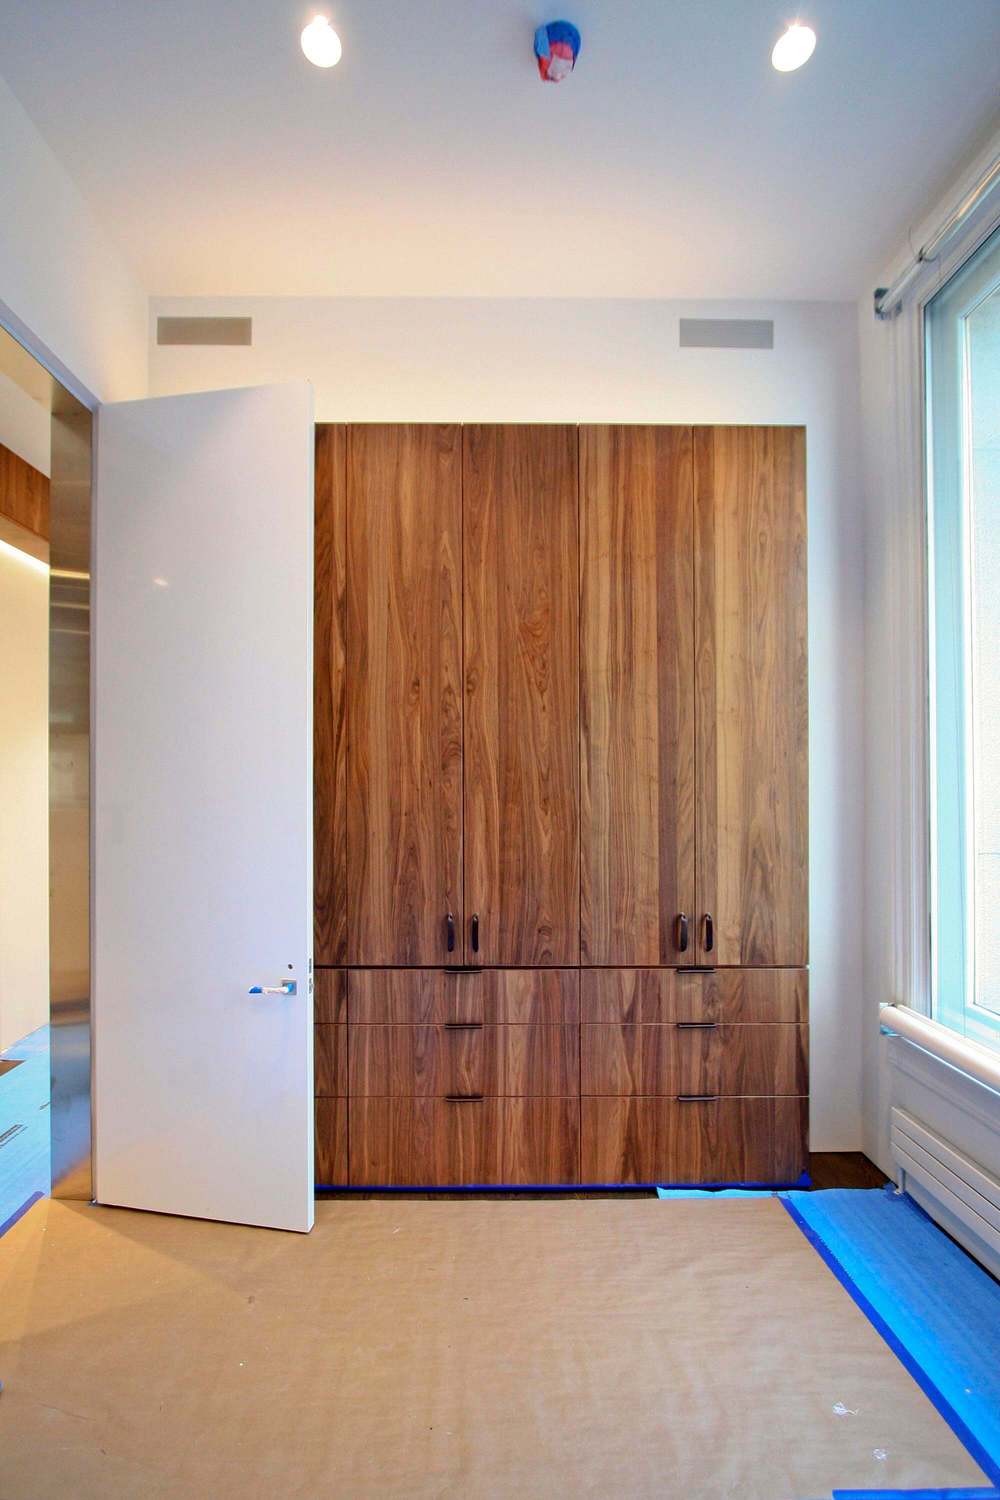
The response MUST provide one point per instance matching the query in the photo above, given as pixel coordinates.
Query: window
(962, 325)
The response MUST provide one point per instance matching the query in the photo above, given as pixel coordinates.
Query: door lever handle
(287, 987)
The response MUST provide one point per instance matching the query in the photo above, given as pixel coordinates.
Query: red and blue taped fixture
(557, 47)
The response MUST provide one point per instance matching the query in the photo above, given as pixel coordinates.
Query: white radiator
(951, 1187)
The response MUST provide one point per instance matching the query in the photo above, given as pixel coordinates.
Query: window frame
(949, 619)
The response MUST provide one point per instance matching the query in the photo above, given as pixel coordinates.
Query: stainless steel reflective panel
(69, 797)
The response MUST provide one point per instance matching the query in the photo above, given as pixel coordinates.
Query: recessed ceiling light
(794, 48)
(320, 43)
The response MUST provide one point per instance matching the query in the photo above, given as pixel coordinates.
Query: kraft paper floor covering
(579, 1348)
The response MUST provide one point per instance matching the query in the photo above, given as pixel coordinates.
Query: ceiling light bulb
(320, 43)
(794, 48)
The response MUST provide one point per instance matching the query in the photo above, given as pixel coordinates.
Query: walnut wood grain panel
(329, 698)
(537, 1060)
(416, 996)
(24, 493)
(497, 996)
(672, 1060)
(331, 1143)
(637, 692)
(432, 1143)
(426, 1143)
(549, 996)
(436, 1061)
(330, 1061)
(541, 1141)
(661, 995)
(724, 1140)
(752, 694)
(522, 693)
(404, 697)
(419, 1061)
(330, 995)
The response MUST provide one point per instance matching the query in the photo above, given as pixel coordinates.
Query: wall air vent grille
(213, 331)
(727, 333)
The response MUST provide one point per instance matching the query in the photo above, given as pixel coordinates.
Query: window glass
(963, 452)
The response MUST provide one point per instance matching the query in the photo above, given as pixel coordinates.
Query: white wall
(25, 425)
(579, 361)
(61, 277)
(24, 797)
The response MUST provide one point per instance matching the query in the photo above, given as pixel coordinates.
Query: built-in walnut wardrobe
(561, 804)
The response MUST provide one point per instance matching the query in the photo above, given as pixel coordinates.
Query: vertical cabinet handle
(475, 932)
(709, 932)
(450, 923)
(681, 932)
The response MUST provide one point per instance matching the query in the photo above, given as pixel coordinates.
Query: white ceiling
(432, 161)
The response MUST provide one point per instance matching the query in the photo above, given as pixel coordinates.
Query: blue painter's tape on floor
(960, 1494)
(662, 1192)
(938, 1310)
(25, 1152)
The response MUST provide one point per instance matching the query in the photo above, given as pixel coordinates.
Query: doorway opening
(45, 490)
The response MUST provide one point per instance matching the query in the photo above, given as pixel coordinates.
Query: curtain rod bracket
(889, 300)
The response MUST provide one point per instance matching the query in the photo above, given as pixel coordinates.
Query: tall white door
(203, 586)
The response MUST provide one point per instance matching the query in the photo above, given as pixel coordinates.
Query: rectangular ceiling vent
(214, 331)
(727, 333)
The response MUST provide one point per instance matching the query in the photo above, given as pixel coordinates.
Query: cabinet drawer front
(664, 995)
(542, 996)
(541, 1141)
(436, 996)
(698, 1059)
(714, 1141)
(425, 1143)
(435, 1061)
(417, 996)
(331, 1143)
(330, 995)
(330, 1061)
(431, 1142)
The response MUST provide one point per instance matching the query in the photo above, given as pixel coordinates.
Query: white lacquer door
(203, 1089)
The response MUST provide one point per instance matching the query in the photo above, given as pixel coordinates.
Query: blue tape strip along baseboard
(989, 1463)
(19, 1213)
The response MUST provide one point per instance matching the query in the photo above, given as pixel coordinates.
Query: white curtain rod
(888, 299)
(950, 1046)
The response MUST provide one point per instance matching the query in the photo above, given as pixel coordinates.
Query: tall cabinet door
(329, 689)
(404, 697)
(752, 696)
(637, 696)
(522, 853)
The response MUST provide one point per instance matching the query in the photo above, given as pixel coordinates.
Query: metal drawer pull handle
(463, 1025)
(696, 1098)
(697, 1025)
(450, 923)
(709, 932)
(681, 932)
(287, 987)
(695, 969)
(463, 1098)
(461, 969)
